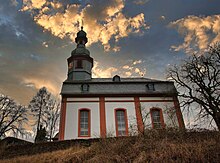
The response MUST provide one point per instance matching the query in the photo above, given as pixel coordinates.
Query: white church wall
(110, 115)
(155, 98)
(83, 99)
(71, 124)
(119, 98)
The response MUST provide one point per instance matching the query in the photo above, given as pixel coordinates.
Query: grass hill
(154, 146)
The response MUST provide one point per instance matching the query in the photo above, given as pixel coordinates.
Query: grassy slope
(162, 146)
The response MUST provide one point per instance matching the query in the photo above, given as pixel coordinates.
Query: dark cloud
(24, 59)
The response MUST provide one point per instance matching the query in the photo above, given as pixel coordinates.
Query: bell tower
(80, 63)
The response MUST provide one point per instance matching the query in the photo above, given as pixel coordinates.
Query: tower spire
(81, 38)
(80, 63)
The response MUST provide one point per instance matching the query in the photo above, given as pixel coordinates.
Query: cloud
(116, 49)
(104, 21)
(140, 2)
(130, 69)
(33, 4)
(162, 17)
(198, 32)
(45, 44)
(14, 3)
(37, 83)
(100, 72)
(137, 62)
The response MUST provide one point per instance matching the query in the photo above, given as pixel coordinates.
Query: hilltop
(155, 146)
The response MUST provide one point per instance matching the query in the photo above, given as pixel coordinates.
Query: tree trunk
(39, 117)
(217, 120)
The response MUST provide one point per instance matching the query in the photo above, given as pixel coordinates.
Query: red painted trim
(102, 117)
(62, 119)
(126, 101)
(89, 122)
(115, 95)
(178, 113)
(140, 124)
(81, 101)
(126, 121)
(161, 117)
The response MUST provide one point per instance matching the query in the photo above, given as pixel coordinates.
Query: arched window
(84, 123)
(121, 122)
(157, 118)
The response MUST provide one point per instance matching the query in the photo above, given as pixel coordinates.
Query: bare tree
(12, 116)
(40, 106)
(53, 116)
(46, 110)
(198, 82)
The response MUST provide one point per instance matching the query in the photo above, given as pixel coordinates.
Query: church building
(103, 107)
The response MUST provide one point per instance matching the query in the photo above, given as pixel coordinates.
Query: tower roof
(81, 33)
(81, 40)
(81, 37)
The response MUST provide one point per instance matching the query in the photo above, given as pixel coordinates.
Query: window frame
(89, 122)
(161, 118)
(126, 121)
(86, 86)
(149, 86)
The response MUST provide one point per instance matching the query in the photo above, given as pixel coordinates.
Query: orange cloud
(39, 83)
(109, 22)
(128, 70)
(198, 32)
(100, 72)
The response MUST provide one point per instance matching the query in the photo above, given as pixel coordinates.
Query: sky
(131, 38)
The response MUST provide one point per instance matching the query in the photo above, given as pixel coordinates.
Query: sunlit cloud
(198, 32)
(33, 4)
(137, 62)
(45, 44)
(162, 17)
(116, 49)
(37, 83)
(101, 72)
(64, 20)
(131, 69)
(125, 67)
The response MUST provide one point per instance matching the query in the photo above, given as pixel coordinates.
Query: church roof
(110, 80)
(126, 86)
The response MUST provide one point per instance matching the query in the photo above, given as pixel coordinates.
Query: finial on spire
(82, 25)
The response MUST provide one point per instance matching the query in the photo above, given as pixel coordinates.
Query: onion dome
(81, 37)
